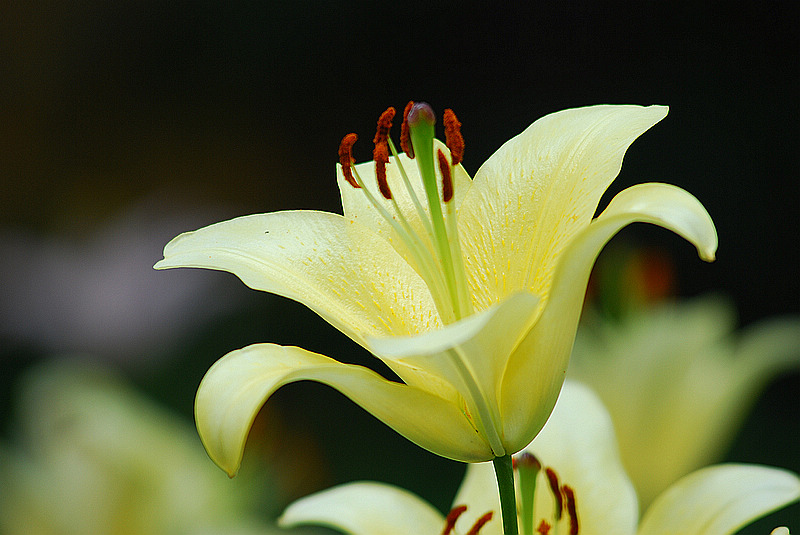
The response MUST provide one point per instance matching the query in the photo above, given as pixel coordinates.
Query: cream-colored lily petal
(718, 500)
(365, 508)
(357, 206)
(482, 343)
(537, 368)
(340, 269)
(539, 190)
(234, 389)
(577, 442)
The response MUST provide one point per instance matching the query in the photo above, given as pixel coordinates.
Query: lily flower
(570, 480)
(92, 455)
(468, 290)
(678, 401)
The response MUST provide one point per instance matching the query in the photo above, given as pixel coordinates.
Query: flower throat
(436, 252)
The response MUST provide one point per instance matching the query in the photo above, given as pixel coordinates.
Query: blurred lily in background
(571, 480)
(95, 294)
(92, 456)
(471, 295)
(676, 375)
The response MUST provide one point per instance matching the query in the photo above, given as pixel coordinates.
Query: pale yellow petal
(656, 386)
(469, 355)
(340, 269)
(478, 491)
(539, 190)
(720, 499)
(365, 508)
(236, 386)
(357, 206)
(768, 348)
(537, 368)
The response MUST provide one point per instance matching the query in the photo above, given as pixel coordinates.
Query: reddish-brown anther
(447, 177)
(572, 510)
(346, 158)
(405, 132)
(552, 478)
(452, 136)
(452, 517)
(476, 527)
(381, 155)
(381, 151)
(384, 125)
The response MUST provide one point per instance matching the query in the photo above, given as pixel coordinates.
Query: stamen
(569, 494)
(381, 155)
(452, 136)
(447, 177)
(381, 152)
(552, 478)
(405, 133)
(452, 517)
(544, 528)
(480, 523)
(346, 158)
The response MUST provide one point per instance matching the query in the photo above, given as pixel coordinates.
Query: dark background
(242, 105)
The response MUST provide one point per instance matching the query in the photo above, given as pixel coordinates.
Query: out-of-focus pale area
(93, 456)
(124, 123)
(98, 293)
(676, 375)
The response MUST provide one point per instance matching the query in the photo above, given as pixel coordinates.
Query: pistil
(421, 122)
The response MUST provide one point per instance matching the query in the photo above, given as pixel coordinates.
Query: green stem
(504, 471)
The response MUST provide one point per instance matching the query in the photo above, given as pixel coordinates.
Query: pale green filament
(410, 189)
(464, 295)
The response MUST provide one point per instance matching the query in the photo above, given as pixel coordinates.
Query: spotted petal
(720, 499)
(236, 386)
(340, 269)
(537, 368)
(539, 190)
(365, 508)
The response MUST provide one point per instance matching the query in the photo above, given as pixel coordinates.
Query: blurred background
(125, 123)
